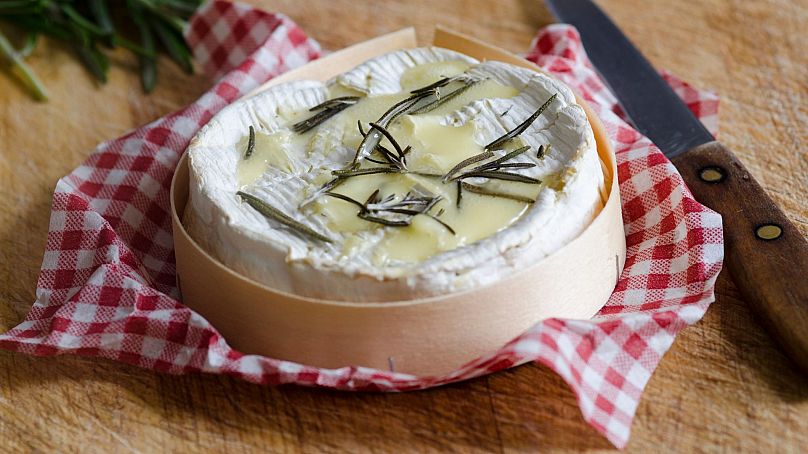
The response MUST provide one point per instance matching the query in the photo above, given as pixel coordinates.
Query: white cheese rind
(258, 248)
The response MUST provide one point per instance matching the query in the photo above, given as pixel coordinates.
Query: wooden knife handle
(766, 254)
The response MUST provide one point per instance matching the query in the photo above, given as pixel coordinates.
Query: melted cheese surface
(493, 236)
(436, 148)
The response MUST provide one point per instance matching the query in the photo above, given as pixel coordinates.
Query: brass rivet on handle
(712, 174)
(768, 232)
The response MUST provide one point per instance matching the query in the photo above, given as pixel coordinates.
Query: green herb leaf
(441, 100)
(273, 213)
(448, 227)
(101, 14)
(22, 70)
(499, 175)
(87, 25)
(96, 62)
(82, 22)
(507, 157)
(174, 45)
(31, 40)
(473, 188)
(328, 109)
(543, 150)
(359, 172)
(148, 66)
(467, 162)
(250, 143)
(523, 126)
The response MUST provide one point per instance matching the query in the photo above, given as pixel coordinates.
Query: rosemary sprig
(394, 213)
(473, 188)
(492, 169)
(338, 101)
(522, 127)
(273, 213)
(327, 109)
(22, 70)
(421, 97)
(347, 173)
(87, 26)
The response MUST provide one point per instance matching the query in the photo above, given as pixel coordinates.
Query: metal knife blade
(650, 103)
(768, 255)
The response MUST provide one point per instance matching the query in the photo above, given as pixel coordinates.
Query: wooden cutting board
(722, 385)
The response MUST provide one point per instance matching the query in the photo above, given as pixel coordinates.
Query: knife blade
(766, 254)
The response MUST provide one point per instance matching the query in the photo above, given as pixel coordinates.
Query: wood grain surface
(724, 386)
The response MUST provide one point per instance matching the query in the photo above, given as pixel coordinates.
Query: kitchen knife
(766, 254)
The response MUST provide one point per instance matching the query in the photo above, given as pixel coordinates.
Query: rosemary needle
(467, 162)
(88, 26)
(366, 171)
(484, 191)
(273, 213)
(404, 210)
(327, 109)
(250, 143)
(499, 175)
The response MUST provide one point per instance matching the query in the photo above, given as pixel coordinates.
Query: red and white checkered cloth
(107, 285)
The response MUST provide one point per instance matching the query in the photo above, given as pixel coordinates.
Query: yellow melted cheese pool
(436, 149)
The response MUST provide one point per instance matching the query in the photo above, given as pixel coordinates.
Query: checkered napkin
(107, 285)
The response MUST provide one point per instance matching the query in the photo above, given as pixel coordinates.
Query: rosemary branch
(250, 143)
(87, 26)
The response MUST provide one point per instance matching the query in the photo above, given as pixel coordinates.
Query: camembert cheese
(420, 172)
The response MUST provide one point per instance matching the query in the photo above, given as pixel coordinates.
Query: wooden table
(723, 385)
